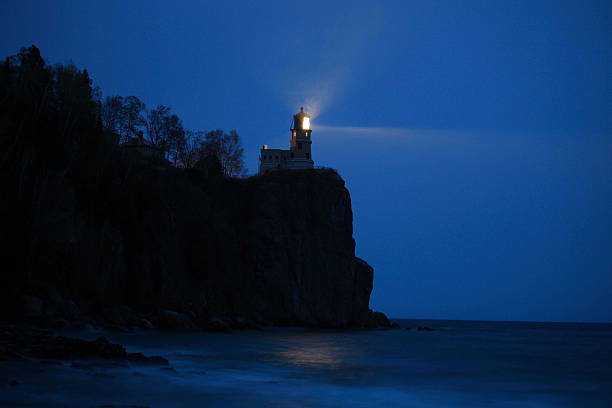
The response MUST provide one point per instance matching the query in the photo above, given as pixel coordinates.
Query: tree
(155, 125)
(174, 134)
(193, 146)
(132, 117)
(112, 110)
(6, 81)
(233, 163)
(213, 143)
(165, 131)
(34, 80)
(123, 116)
(72, 93)
(227, 148)
(6, 73)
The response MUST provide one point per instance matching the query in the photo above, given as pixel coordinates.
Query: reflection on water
(321, 350)
(459, 364)
(313, 356)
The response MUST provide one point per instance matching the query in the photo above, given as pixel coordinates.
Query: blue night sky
(475, 137)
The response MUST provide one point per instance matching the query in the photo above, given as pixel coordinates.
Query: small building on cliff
(298, 156)
(138, 144)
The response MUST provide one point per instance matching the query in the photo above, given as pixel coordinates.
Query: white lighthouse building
(298, 156)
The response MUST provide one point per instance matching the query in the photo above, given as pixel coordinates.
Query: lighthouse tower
(300, 141)
(298, 156)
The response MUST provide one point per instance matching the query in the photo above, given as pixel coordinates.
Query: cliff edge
(147, 244)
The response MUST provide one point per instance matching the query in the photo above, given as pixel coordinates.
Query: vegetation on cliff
(93, 230)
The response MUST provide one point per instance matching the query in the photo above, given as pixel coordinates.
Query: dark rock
(32, 306)
(59, 323)
(48, 295)
(139, 358)
(408, 328)
(122, 406)
(117, 328)
(64, 348)
(50, 362)
(71, 312)
(380, 320)
(145, 323)
(395, 326)
(171, 320)
(276, 248)
(13, 383)
(42, 344)
(119, 318)
(81, 366)
(218, 324)
(425, 329)
(240, 323)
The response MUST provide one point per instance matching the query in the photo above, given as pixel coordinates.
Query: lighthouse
(298, 156)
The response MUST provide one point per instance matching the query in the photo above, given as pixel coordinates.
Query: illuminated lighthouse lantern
(299, 154)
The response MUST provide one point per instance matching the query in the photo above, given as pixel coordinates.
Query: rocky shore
(18, 342)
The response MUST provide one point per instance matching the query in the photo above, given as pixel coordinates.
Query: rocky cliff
(143, 243)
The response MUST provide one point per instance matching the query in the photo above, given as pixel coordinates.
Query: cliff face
(300, 229)
(271, 249)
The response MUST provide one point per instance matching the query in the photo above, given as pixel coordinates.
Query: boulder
(171, 320)
(218, 324)
(32, 306)
(139, 358)
(380, 320)
(16, 341)
(65, 348)
(241, 323)
(71, 312)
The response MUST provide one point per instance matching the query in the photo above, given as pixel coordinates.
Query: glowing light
(306, 123)
(265, 147)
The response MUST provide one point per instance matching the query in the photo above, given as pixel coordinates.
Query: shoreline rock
(19, 342)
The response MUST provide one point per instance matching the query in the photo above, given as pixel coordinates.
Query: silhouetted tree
(123, 116)
(73, 95)
(132, 118)
(193, 146)
(232, 162)
(227, 148)
(155, 125)
(112, 111)
(6, 74)
(213, 143)
(174, 134)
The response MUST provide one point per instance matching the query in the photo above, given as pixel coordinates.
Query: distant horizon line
(502, 321)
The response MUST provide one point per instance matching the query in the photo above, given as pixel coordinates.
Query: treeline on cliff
(90, 229)
(36, 94)
(60, 162)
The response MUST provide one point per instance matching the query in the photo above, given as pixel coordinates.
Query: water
(461, 363)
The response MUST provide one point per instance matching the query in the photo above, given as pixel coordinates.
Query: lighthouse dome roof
(301, 113)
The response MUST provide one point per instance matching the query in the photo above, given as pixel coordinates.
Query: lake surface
(461, 363)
